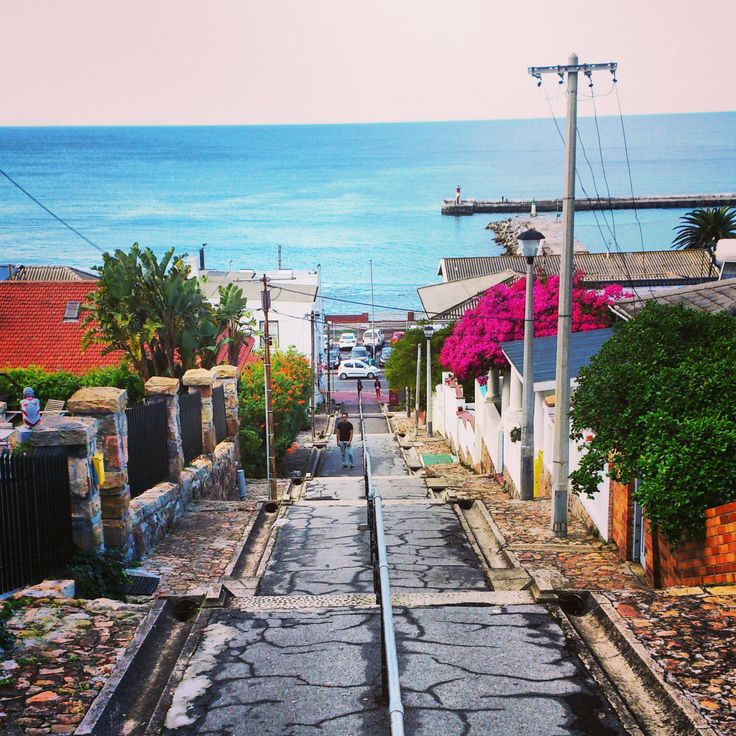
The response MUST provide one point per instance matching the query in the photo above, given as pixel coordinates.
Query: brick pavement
(203, 543)
(692, 638)
(64, 652)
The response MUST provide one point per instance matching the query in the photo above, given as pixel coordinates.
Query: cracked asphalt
(308, 671)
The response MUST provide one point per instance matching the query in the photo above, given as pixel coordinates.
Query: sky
(151, 62)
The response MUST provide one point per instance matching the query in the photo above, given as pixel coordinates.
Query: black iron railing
(148, 454)
(190, 416)
(382, 589)
(218, 413)
(35, 518)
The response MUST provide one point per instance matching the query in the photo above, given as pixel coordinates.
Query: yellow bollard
(538, 469)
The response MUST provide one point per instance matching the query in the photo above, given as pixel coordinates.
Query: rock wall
(156, 511)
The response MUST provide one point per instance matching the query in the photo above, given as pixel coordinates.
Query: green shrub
(62, 384)
(97, 575)
(660, 397)
(7, 609)
(291, 378)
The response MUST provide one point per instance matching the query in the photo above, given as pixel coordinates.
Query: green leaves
(156, 313)
(704, 227)
(661, 399)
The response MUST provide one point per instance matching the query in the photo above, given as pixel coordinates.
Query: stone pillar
(200, 380)
(78, 435)
(227, 377)
(107, 405)
(168, 388)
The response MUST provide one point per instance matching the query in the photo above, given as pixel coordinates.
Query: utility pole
(419, 388)
(314, 373)
(328, 409)
(428, 334)
(561, 448)
(373, 313)
(270, 441)
(279, 247)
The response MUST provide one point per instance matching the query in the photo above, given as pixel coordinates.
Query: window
(71, 313)
(348, 365)
(273, 330)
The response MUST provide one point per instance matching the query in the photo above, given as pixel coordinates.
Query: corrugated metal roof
(583, 346)
(663, 267)
(715, 296)
(51, 273)
(439, 299)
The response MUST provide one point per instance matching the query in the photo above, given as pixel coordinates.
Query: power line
(53, 214)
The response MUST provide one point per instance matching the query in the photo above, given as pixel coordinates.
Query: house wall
(294, 326)
(455, 420)
(622, 518)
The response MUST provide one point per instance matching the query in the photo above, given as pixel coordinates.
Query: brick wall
(710, 561)
(622, 517)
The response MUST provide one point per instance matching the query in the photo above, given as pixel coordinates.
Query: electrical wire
(600, 154)
(53, 214)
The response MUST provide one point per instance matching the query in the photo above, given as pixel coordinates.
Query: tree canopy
(704, 227)
(474, 347)
(660, 398)
(401, 368)
(157, 314)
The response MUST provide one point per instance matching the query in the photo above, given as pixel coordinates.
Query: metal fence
(148, 453)
(382, 589)
(190, 415)
(35, 518)
(218, 413)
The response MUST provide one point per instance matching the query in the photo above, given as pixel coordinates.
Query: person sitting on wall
(30, 408)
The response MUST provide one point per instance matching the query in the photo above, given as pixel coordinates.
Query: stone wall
(622, 518)
(155, 511)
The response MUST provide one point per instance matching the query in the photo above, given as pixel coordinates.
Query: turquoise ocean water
(337, 195)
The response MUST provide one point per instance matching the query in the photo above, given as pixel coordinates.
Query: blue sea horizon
(339, 195)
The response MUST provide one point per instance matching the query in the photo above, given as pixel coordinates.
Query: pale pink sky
(304, 61)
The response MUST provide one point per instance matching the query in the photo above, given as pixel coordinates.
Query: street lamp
(428, 332)
(529, 242)
(329, 367)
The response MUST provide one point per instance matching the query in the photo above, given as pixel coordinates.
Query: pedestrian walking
(344, 439)
(360, 388)
(377, 386)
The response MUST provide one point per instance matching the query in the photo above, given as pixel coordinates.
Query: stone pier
(199, 380)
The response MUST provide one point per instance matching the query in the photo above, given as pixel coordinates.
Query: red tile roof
(33, 330)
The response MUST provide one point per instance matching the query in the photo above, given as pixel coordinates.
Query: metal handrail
(382, 587)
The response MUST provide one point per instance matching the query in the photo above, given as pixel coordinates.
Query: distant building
(11, 272)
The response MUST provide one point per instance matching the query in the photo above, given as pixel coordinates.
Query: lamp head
(529, 242)
(428, 331)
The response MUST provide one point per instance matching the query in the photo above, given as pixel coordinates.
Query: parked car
(333, 357)
(373, 338)
(396, 336)
(384, 355)
(360, 353)
(356, 369)
(347, 340)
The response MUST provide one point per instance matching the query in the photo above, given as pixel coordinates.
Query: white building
(296, 314)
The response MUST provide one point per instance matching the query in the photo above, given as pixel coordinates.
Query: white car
(373, 338)
(347, 341)
(356, 369)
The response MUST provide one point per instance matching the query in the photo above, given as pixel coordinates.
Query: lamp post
(529, 242)
(329, 368)
(428, 332)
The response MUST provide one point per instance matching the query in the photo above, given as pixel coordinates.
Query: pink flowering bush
(473, 348)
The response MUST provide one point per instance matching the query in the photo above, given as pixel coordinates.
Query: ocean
(338, 195)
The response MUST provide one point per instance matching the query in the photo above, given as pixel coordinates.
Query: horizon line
(342, 123)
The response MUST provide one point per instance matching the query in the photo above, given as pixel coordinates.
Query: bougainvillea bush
(291, 377)
(474, 347)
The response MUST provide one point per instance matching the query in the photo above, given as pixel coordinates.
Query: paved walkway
(302, 656)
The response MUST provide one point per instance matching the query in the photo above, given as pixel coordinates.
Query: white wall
(294, 326)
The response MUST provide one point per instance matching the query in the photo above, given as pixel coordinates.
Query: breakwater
(677, 201)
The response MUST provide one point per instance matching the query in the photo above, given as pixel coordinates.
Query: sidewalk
(689, 631)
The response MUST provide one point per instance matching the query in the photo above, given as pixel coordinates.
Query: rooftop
(583, 346)
(714, 296)
(641, 268)
(40, 325)
(44, 273)
(285, 286)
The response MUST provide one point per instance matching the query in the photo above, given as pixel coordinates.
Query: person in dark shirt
(377, 386)
(360, 387)
(344, 437)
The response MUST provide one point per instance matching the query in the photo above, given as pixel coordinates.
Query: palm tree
(704, 227)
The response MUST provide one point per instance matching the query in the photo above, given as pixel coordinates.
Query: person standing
(344, 438)
(360, 388)
(377, 386)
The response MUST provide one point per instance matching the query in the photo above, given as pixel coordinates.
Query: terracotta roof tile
(33, 330)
